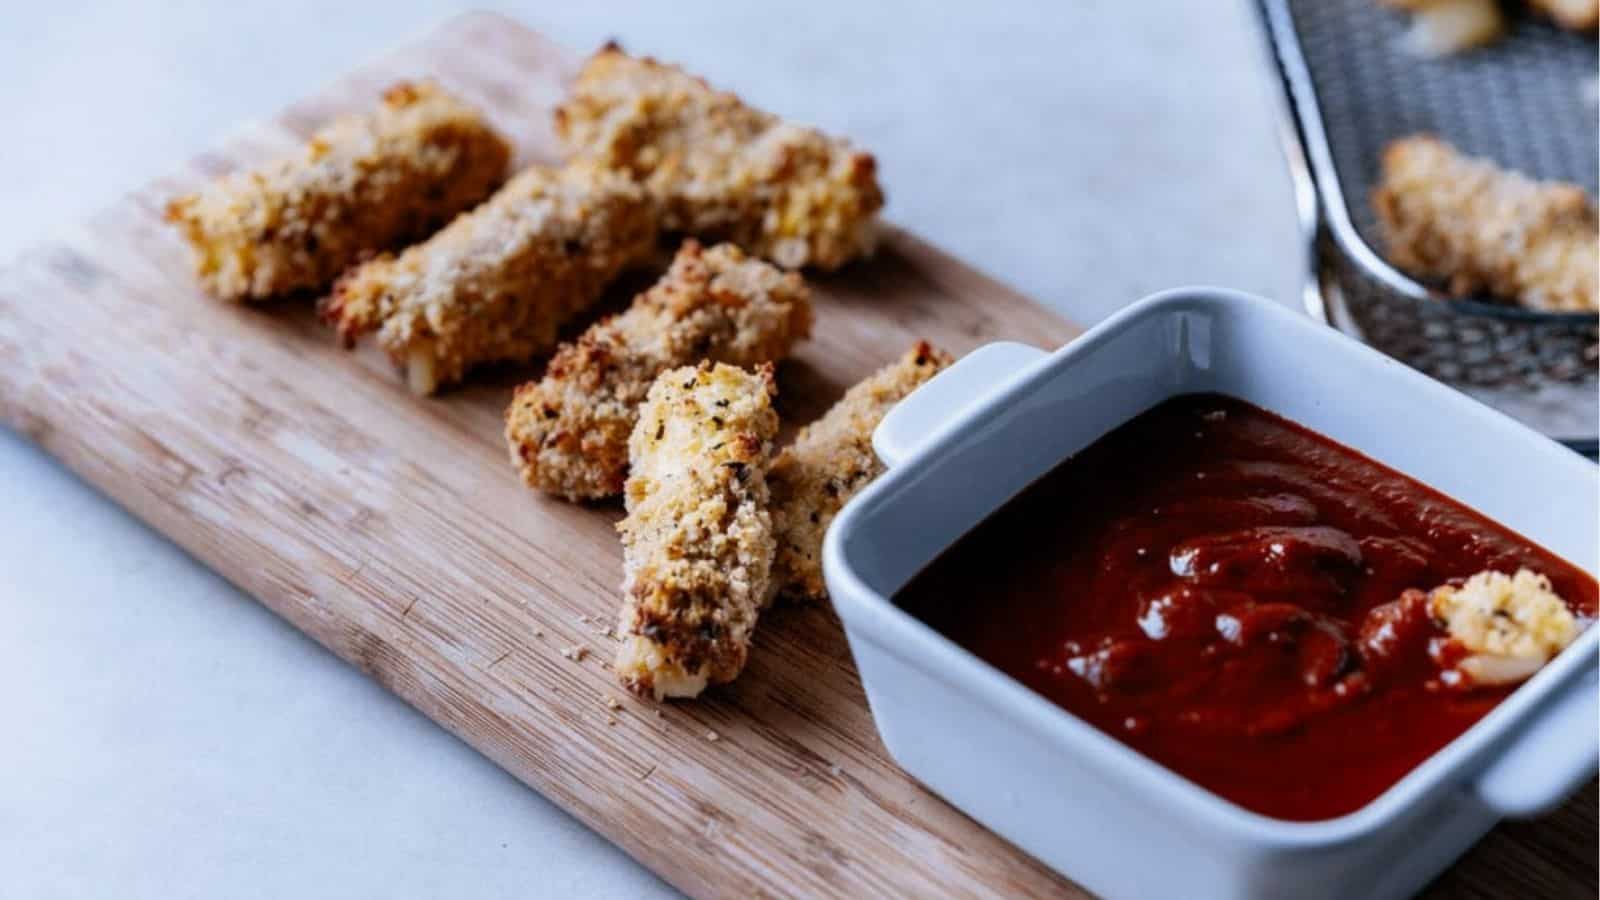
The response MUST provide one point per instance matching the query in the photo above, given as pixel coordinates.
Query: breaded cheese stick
(829, 462)
(721, 170)
(697, 540)
(498, 283)
(568, 433)
(1480, 228)
(363, 184)
(1573, 15)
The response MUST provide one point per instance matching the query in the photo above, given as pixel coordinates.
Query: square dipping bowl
(1094, 809)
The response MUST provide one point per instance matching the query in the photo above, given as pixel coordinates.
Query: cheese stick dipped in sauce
(830, 461)
(568, 433)
(697, 540)
(362, 184)
(722, 170)
(498, 283)
(1508, 625)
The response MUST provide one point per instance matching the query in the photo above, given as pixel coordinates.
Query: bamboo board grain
(394, 532)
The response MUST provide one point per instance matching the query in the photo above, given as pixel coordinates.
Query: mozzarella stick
(829, 462)
(721, 170)
(697, 540)
(498, 283)
(1480, 228)
(363, 184)
(568, 433)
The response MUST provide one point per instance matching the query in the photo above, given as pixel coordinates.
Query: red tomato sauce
(1221, 590)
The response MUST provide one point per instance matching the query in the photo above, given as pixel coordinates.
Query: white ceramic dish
(1094, 809)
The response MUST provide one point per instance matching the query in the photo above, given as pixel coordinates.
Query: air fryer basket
(1526, 102)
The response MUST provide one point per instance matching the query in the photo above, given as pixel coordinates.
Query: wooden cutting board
(393, 531)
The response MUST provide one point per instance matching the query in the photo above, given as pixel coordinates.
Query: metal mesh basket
(1525, 102)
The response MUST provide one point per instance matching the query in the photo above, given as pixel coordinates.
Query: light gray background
(167, 737)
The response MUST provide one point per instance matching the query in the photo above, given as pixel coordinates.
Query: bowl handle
(913, 420)
(1552, 757)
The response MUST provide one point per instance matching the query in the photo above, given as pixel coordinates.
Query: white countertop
(175, 739)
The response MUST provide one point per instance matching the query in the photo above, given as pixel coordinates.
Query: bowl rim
(896, 631)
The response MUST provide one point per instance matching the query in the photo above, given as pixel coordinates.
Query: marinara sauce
(1217, 588)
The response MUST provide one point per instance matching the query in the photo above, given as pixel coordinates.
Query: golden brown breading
(363, 184)
(568, 433)
(499, 282)
(719, 169)
(1480, 228)
(697, 541)
(829, 462)
(1575, 15)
